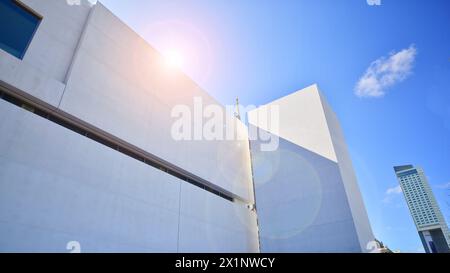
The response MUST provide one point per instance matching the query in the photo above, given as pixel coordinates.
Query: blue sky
(262, 50)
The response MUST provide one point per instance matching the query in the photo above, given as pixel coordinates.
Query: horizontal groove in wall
(55, 117)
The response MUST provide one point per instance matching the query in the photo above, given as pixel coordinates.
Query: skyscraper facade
(427, 216)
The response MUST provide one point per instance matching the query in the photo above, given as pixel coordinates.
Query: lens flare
(173, 59)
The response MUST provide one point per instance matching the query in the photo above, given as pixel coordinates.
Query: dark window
(17, 27)
(433, 247)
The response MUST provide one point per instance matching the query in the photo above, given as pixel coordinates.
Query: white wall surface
(306, 192)
(209, 222)
(43, 69)
(302, 121)
(96, 68)
(120, 84)
(360, 217)
(57, 186)
(301, 201)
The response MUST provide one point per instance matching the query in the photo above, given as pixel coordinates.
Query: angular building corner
(307, 195)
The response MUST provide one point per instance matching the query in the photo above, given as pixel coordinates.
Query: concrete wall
(43, 70)
(88, 63)
(306, 190)
(58, 186)
(354, 197)
(120, 84)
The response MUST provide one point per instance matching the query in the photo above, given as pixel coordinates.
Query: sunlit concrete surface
(57, 186)
(307, 195)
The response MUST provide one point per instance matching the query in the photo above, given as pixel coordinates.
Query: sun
(173, 59)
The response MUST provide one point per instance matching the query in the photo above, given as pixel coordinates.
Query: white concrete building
(425, 211)
(81, 157)
(87, 155)
(307, 196)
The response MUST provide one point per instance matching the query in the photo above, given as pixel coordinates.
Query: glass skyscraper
(427, 216)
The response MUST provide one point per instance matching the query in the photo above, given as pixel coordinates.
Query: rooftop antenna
(237, 114)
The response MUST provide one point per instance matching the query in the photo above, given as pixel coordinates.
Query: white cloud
(374, 2)
(394, 190)
(386, 72)
(445, 186)
(390, 193)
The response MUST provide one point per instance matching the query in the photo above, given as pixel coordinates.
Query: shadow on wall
(301, 201)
